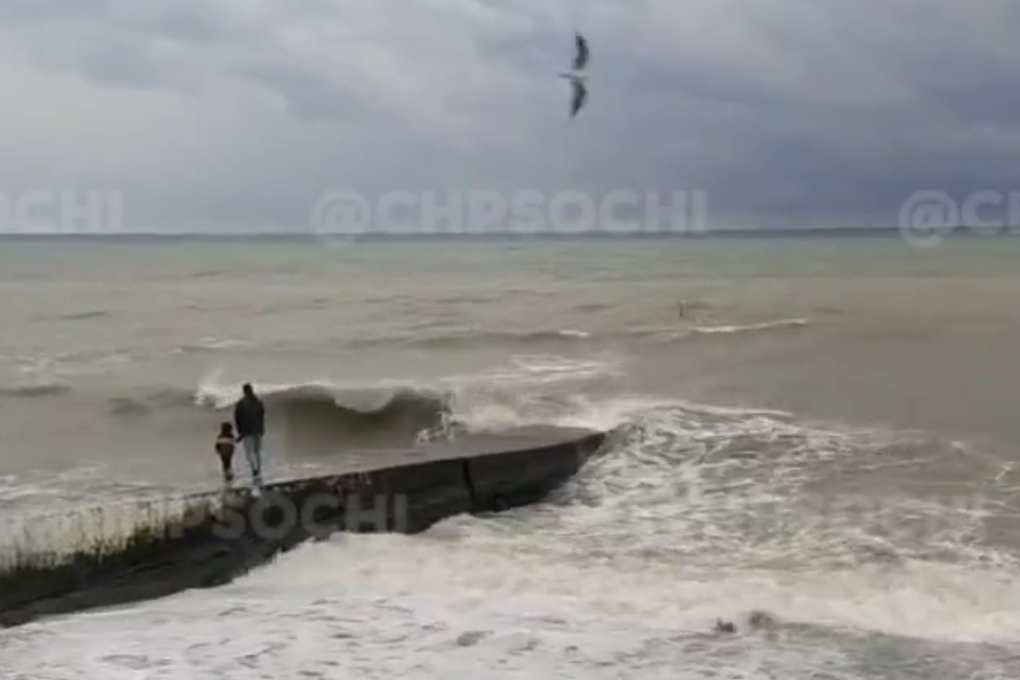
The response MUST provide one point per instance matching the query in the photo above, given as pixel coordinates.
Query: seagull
(576, 79)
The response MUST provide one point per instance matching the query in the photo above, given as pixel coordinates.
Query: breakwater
(205, 540)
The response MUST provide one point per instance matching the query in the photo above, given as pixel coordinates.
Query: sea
(812, 438)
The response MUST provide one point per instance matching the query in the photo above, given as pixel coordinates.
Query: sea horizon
(248, 234)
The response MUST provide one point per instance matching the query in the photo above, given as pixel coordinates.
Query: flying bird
(580, 92)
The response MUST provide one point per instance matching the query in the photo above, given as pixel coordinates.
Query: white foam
(246, 630)
(452, 564)
(81, 362)
(764, 326)
(444, 605)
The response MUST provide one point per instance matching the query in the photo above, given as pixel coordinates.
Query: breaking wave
(329, 410)
(535, 390)
(319, 413)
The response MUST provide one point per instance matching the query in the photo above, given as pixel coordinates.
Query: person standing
(224, 446)
(250, 420)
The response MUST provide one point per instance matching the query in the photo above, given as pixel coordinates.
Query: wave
(208, 273)
(569, 335)
(210, 345)
(321, 409)
(674, 333)
(320, 415)
(536, 391)
(35, 390)
(593, 306)
(750, 328)
(468, 337)
(82, 316)
(328, 413)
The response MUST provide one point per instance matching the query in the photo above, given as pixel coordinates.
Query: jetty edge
(212, 538)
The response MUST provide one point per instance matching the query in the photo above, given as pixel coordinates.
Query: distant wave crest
(458, 338)
(34, 390)
(569, 335)
(750, 328)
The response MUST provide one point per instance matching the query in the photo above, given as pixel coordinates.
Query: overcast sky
(241, 113)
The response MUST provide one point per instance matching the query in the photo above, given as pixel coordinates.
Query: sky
(243, 114)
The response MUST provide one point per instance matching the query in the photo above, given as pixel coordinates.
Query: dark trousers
(228, 471)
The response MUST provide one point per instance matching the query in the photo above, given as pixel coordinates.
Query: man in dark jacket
(250, 422)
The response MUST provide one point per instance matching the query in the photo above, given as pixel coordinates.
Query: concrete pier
(220, 536)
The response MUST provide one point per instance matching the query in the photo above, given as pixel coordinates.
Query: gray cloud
(243, 113)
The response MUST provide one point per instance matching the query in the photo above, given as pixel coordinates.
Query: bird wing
(580, 95)
(581, 60)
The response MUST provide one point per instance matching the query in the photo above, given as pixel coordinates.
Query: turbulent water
(812, 438)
